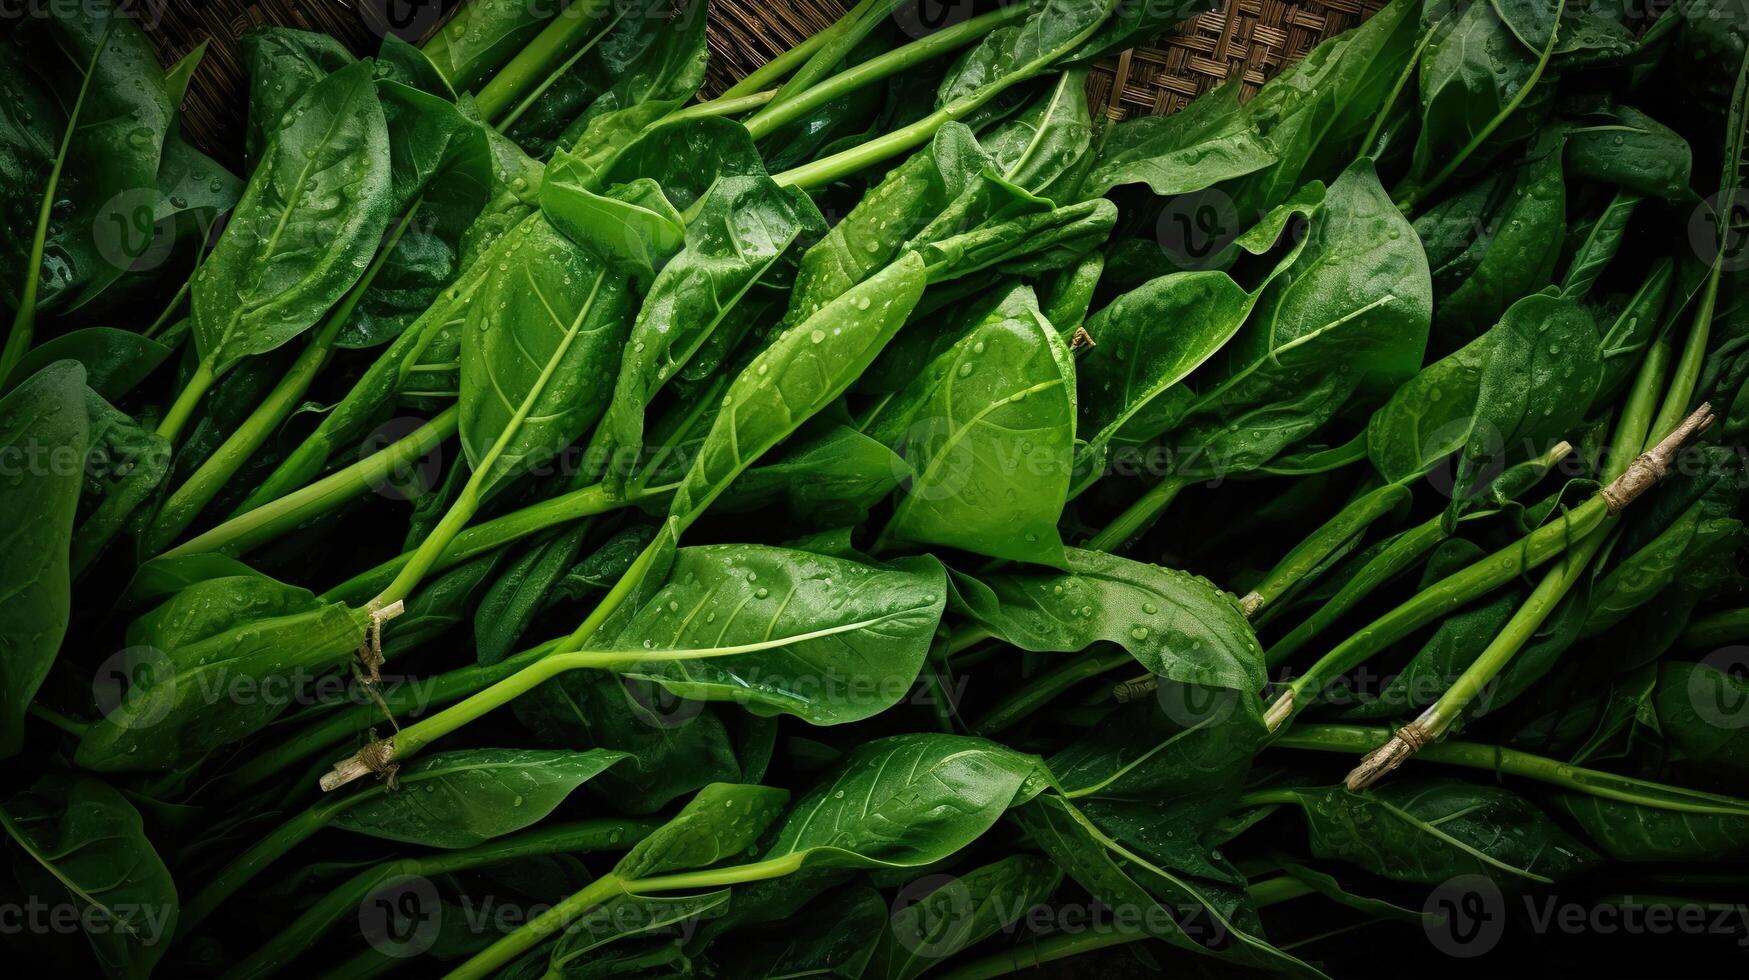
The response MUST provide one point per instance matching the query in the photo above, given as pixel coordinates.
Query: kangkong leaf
(781, 631)
(1630, 832)
(744, 225)
(721, 822)
(84, 842)
(282, 65)
(115, 361)
(537, 352)
(1544, 365)
(1491, 244)
(906, 801)
(469, 796)
(1428, 831)
(959, 912)
(308, 223)
(991, 438)
(1178, 626)
(1206, 142)
(44, 434)
(807, 367)
(205, 657)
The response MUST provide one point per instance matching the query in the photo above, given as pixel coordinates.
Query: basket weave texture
(1248, 40)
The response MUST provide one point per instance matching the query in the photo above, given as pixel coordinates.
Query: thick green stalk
(783, 111)
(188, 500)
(1440, 599)
(1693, 359)
(766, 75)
(536, 62)
(580, 837)
(1353, 519)
(186, 401)
(494, 957)
(267, 522)
(1042, 690)
(1139, 516)
(1396, 558)
(1353, 739)
(344, 722)
(721, 107)
(499, 531)
(24, 321)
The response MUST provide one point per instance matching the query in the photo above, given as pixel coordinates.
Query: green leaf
(959, 912)
(1623, 146)
(308, 223)
(1472, 68)
(1700, 709)
(85, 843)
(124, 465)
(1427, 831)
(991, 437)
(283, 64)
(210, 659)
(1189, 916)
(115, 361)
(1177, 625)
(112, 159)
(1544, 365)
(720, 823)
(45, 432)
(1208, 141)
(805, 369)
(538, 352)
(1348, 313)
(786, 632)
(1628, 832)
(469, 796)
(906, 801)
(1492, 243)
(632, 225)
(743, 226)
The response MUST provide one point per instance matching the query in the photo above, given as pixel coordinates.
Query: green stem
(1309, 554)
(1396, 558)
(781, 113)
(1139, 516)
(721, 107)
(24, 321)
(563, 509)
(169, 310)
(273, 519)
(536, 61)
(580, 837)
(1693, 358)
(1357, 740)
(188, 500)
(841, 37)
(269, 849)
(185, 403)
(344, 723)
(1633, 430)
(559, 71)
(1045, 688)
(1440, 599)
(490, 960)
(1417, 194)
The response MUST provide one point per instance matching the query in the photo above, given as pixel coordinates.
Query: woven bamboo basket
(1247, 40)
